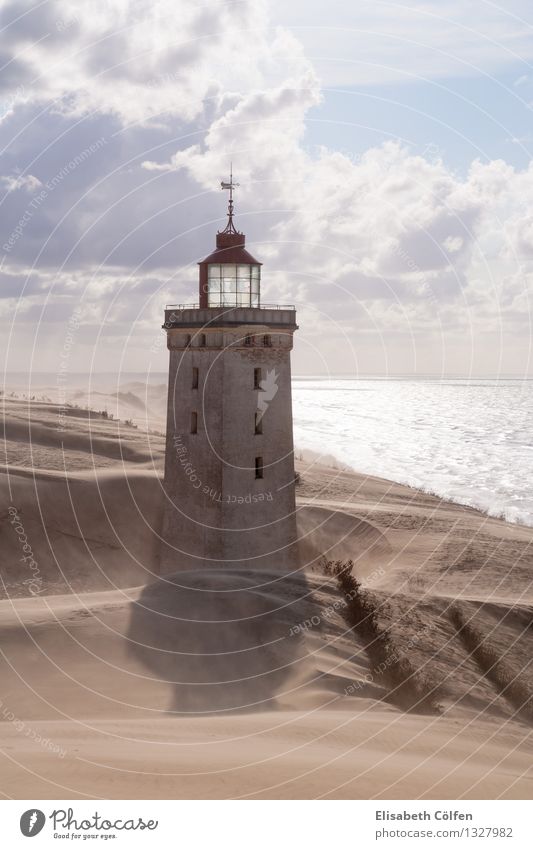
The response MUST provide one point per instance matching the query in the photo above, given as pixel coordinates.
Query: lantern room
(230, 276)
(233, 284)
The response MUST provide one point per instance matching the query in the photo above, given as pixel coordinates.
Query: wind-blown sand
(119, 682)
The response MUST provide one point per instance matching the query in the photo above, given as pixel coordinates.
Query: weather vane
(229, 186)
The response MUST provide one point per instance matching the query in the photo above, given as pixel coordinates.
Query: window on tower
(258, 467)
(258, 376)
(194, 422)
(195, 378)
(202, 340)
(258, 422)
(267, 340)
(233, 285)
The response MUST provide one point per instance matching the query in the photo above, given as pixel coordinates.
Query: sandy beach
(122, 682)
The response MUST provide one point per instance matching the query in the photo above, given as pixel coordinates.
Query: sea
(466, 440)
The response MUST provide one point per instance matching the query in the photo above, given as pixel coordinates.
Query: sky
(383, 152)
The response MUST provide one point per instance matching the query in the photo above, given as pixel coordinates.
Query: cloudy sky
(383, 151)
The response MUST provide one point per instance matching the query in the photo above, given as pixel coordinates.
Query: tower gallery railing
(230, 307)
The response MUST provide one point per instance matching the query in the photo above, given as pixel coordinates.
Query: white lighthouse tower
(229, 465)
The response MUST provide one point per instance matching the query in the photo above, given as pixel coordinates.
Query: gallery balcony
(192, 315)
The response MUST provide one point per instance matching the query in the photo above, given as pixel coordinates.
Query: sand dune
(118, 682)
(121, 703)
(89, 531)
(65, 430)
(143, 403)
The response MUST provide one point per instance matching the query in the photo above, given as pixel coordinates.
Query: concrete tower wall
(218, 510)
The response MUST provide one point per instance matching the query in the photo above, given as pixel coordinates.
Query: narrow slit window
(267, 340)
(195, 378)
(258, 422)
(258, 467)
(258, 376)
(187, 340)
(202, 341)
(247, 340)
(194, 422)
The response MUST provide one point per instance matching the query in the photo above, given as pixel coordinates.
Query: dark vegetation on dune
(409, 688)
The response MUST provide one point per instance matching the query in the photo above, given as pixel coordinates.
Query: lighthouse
(229, 463)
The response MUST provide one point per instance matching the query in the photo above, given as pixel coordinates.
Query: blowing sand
(120, 682)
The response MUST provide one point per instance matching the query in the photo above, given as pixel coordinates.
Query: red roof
(231, 255)
(230, 248)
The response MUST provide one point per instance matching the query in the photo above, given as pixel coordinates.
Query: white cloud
(13, 183)
(416, 245)
(453, 243)
(137, 60)
(391, 243)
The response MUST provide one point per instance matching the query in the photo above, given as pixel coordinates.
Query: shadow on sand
(222, 639)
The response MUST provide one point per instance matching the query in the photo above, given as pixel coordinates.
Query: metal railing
(231, 307)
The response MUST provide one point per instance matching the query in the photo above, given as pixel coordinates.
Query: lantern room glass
(233, 285)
